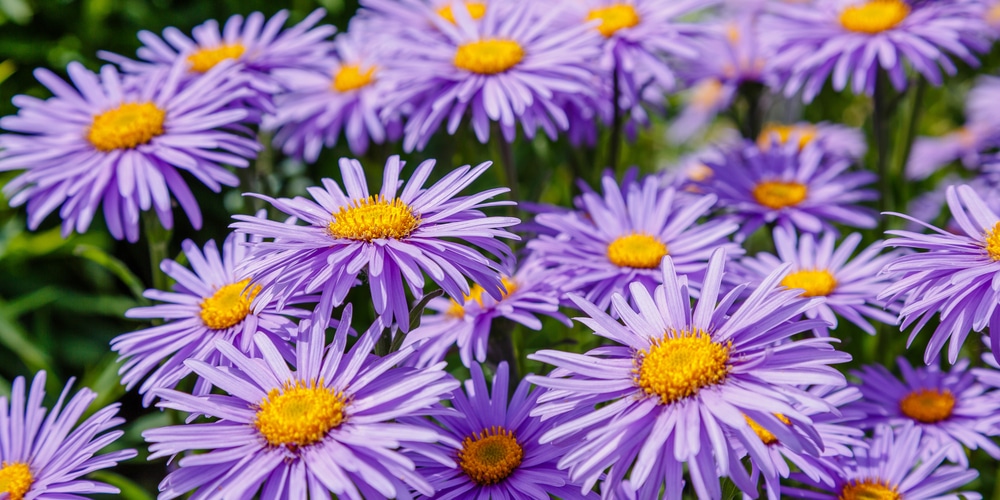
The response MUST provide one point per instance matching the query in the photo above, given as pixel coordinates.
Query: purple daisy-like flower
(532, 289)
(621, 237)
(392, 236)
(829, 138)
(327, 426)
(495, 444)
(822, 268)
(210, 302)
(845, 40)
(45, 453)
(509, 67)
(888, 468)
(956, 277)
(804, 190)
(678, 384)
(952, 408)
(121, 145)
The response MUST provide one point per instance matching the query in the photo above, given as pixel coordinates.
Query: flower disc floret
(784, 133)
(815, 282)
(638, 250)
(299, 414)
(229, 305)
(374, 218)
(476, 294)
(490, 456)
(350, 77)
(765, 435)
(476, 11)
(678, 366)
(203, 60)
(874, 16)
(489, 57)
(869, 489)
(993, 242)
(780, 194)
(15, 479)
(127, 126)
(928, 406)
(614, 18)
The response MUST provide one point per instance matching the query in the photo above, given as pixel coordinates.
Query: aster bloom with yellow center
(209, 302)
(50, 453)
(855, 40)
(823, 267)
(622, 236)
(330, 423)
(955, 411)
(954, 276)
(804, 190)
(392, 236)
(665, 393)
(892, 465)
(121, 145)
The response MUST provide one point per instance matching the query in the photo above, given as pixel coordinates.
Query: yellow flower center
(489, 57)
(816, 283)
(490, 456)
(707, 93)
(874, 16)
(15, 480)
(928, 405)
(350, 77)
(638, 250)
(765, 435)
(476, 293)
(779, 194)
(300, 413)
(228, 305)
(614, 17)
(476, 11)
(679, 365)
(993, 242)
(203, 60)
(374, 218)
(869, 489)
(993, 15)
(784, 133)
(127, 126)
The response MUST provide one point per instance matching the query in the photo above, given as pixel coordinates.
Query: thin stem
(158, 239)
(753, 122)
(257, 177)
(880, 124)
(509, 168)
(616, 120)
(905, 144)
(503, 347)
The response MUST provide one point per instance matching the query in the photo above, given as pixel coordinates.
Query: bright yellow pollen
(15, 480)
(993, 242)
(374, 218)
(678, 365)
(350, 77)
(784, 133)
(476, 293)
(816, 283)
(928, 405)
(476, 11)
(638, 250)
(614, 17)
(203, 60)
(229, 305)
(489, 57)
(490, 456)
(299, 414)
(779, 194)
(874, 16)
(127, 126)
(869, 489)
(765, 435)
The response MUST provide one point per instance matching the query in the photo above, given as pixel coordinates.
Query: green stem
(257, 177)
(616, 121)
(158, 239)
(509, 168)
(503, 347)
(880, 125)
(905, 145)
(753, 122)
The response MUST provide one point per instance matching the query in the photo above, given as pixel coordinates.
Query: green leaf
(115, 266)
(17, 340)
(130, 489)
(103, 379)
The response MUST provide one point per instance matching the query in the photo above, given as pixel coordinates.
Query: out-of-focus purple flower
(121, 144)
(829, 138)
(671, 389)
(928, 206)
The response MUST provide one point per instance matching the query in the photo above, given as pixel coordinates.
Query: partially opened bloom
(495, 444)
(45, 453)
(392, 236)
(676, 378)
(105, 142)
(328, 425)
(955, 277)
(952, 408)
(209, 302)
(829, 138)
(854, 40)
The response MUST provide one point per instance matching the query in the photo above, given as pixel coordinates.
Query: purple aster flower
(888, 468)
(822, 268)
(952, 408)
(621, 237)
(532, 289)
(678, 380)
(46, 453)
(211, 303)
(105, 142)
(510, 67)
(803, 189)
(327, 426)
(956, 277)
(495, 444)
(392, 235)
(831, 139)
(852, 39)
